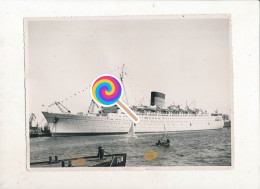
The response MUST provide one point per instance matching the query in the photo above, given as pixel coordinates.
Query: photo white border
(245, 44)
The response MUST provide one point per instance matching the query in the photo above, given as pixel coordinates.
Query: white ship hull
(119, 123)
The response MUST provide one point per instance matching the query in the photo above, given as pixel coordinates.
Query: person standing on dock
(101, 152)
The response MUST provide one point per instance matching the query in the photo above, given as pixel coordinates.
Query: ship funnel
(157, 99)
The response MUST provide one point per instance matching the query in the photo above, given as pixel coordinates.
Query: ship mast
(122, 80)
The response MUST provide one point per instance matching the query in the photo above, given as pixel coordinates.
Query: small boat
(100, 160)
(164, 141)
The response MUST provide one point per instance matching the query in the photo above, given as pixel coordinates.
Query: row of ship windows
(102, 126)
(144, 118)
(163, 115)
(174, 118)
(143, 125)
(114, 123)
(104, 118)
(151, 122)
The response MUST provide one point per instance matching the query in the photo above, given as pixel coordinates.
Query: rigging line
(129, 82)
(134, 92)
(122, 77)
(131, 88)
(136, 88)
(134, 81)
(126, 96)
(75, 94)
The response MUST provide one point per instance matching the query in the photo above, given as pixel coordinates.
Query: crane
(62, 108)
(92, 106)
(193, 102)
(31, 119)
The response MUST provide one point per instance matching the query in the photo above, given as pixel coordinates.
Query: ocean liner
(111, 120)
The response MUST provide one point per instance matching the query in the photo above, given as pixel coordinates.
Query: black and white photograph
(172, 73)
(129, 94)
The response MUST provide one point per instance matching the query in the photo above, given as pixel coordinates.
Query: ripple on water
(188, 148)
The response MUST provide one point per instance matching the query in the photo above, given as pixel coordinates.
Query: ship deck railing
(170, 114)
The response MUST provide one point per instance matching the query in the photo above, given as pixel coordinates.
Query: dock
(100, 160)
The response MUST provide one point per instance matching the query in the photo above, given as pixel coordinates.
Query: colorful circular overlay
(106, 90)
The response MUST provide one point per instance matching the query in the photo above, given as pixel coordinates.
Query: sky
(186, 58)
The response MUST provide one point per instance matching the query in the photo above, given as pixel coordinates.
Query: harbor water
(188, 148)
